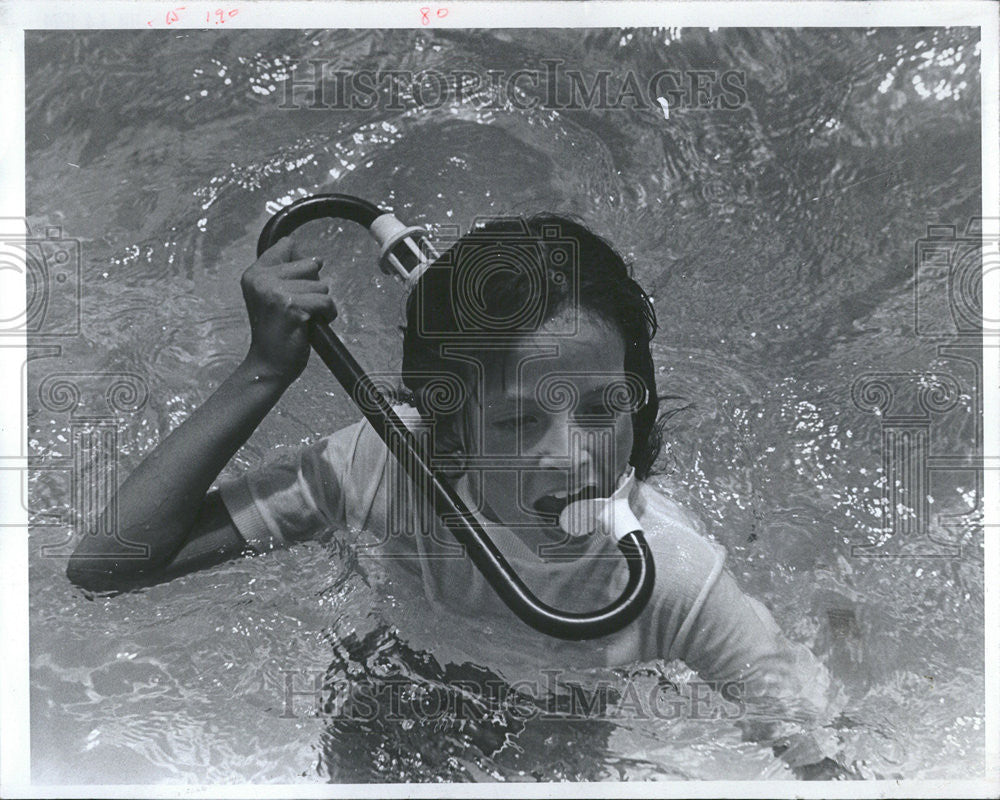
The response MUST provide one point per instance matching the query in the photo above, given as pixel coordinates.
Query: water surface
(778, 241)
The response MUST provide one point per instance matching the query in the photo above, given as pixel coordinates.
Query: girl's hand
(282, 295)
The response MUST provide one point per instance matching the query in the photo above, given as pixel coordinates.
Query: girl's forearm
(159, 502)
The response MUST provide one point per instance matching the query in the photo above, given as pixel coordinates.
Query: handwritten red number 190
(221, 15)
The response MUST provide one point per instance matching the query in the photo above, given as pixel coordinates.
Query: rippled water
(778, 241)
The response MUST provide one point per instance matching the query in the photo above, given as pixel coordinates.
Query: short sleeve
(327, 485)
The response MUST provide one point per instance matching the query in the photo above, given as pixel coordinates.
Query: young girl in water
(526, 356)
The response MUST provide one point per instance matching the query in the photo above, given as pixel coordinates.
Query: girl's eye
(598, 409)
(522, 422)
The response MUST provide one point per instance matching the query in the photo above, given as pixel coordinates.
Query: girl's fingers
(301, 286)
(281, 251)
(315, 306)
(304, 268)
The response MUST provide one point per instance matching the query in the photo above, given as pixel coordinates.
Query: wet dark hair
(505, 279)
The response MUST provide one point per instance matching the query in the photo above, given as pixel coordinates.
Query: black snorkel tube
(408, 252)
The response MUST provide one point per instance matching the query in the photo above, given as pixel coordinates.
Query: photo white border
(20, 15)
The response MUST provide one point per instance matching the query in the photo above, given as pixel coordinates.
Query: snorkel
(408, 252)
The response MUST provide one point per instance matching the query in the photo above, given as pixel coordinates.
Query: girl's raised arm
(164, 506)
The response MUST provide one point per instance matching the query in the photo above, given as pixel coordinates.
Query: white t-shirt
(697, 613)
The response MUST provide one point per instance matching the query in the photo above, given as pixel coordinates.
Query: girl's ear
(449, 443)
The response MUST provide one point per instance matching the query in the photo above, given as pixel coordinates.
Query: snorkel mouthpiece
(403, 250)
(611, 515)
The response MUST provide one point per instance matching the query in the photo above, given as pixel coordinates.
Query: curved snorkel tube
(407, 251)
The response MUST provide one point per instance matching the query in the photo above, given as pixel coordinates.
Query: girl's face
(549, 433)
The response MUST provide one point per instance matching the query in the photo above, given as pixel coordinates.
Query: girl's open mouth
(554, 503)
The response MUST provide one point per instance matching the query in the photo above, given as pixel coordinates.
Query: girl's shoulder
(673, 530)
(656, 501)
(360, 442)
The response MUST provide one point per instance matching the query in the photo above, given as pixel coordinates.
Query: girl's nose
(553, 448)
(577, 447)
